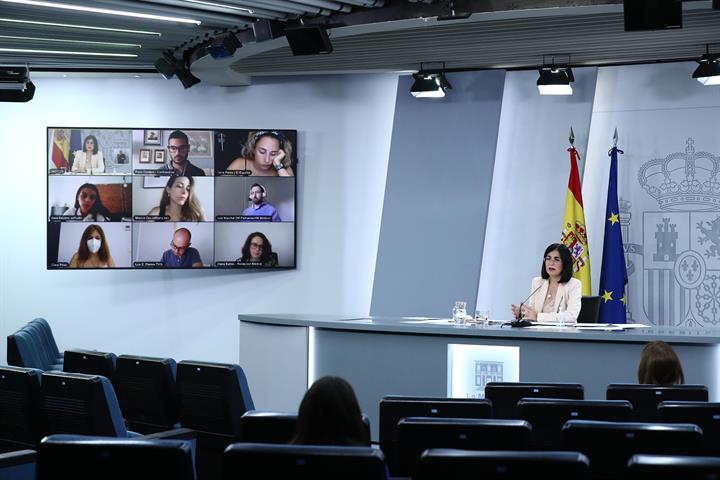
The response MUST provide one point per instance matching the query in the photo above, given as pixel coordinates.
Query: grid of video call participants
(171, 198)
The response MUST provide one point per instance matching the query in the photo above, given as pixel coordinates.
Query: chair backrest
(267, 427)
(212, 396)
(49, 337)
(706, 415)
(672, 467)
(147, 392)
(267, 461)
(417, 434)
(21, 419)
(589, 309)
(91, 362)
(82, 404)
(505, 395)
(393, 408)
(89, 458)
(32, 346)
(18, 465)
(502, 465)
(548, 415)
(609, 445)
(645, 398)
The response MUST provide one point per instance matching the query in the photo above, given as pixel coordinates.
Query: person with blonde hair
(179, 202)
(660, 365)
(267, 153)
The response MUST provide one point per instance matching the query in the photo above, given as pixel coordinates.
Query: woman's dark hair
(98, 207)
(95, 143)
(84, 251)
(567, 262)
(329, 414)
(660, 365)
(266, 256)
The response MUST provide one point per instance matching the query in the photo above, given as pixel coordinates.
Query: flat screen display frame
(134, 198)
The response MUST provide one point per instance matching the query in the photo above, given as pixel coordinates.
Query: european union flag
(613, 275)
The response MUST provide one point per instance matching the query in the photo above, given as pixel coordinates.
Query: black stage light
(166, 65)
(708, 70)
(224, 45)
(15, 84)
(308, 40)
(555, 80)
(264, 30)
(652, 14)
(429, 85)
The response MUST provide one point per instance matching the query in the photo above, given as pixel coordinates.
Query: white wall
(344, 126)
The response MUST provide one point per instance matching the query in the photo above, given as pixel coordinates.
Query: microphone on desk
(519, 322)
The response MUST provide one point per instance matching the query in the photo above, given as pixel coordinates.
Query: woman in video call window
(90, 158)
(93, 251)
(88, 205)
(267, 153)
(179, 202)
(258, 250)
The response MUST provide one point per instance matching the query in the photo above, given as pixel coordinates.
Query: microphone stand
(519, 322)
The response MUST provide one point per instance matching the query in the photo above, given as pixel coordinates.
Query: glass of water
(459, 312)
(482, 316)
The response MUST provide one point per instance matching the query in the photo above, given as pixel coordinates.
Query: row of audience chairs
(34, 346)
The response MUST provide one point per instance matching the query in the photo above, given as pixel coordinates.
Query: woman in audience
(267, 153)
(555, 290)
(660, 365)
(258, 250)
(88, 205)
(89, 160)
(179, 202)
(93, 251)
(329, 414)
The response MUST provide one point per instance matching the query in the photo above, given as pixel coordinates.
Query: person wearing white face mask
(93, 251)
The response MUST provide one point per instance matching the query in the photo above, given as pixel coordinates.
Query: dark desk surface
(360, 323)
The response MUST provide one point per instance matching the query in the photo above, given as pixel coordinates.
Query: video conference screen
(171, 198)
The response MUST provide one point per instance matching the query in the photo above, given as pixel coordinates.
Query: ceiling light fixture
(168, 66)
(106, 11)
(83, 42)
(66, 52)
(223, 46)
(555, 79)
(222, 5)
(82, 27)
(15, 84)
(708, 70)
(430, 84)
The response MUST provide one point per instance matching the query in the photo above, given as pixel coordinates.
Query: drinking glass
(458, 312)
(482, 316)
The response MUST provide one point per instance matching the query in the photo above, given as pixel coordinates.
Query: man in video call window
(181, 254)
(178, 149)
(259, 206)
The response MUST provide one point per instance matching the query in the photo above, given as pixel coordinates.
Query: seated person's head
(552, 268)
(660, 365)
(263, 146)
(329, 414)
(257, 248)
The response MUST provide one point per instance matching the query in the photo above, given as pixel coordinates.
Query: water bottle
(561, 317)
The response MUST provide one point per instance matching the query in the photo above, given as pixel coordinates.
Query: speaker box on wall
(308, 40)
(652, 14)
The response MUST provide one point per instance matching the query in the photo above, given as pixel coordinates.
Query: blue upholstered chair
(89, 458)
(417, 434)
(91, 362)
(393, 408)
(147, 392)
(548, 415)
(32, 346)
(672, 467)
(49, 339)
(17, 465)
(705, 415)
(212, 397)
(267, 461)
(502, 465)
(275, 427)
(505, 395)
(21, 418)
(609, 445)
(645, 398)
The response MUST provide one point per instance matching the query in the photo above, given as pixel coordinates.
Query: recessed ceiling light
(82, 27)
(106, 11)
(64, 52)
(84, 42)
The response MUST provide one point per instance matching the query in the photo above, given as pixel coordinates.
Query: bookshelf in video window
(171, 198)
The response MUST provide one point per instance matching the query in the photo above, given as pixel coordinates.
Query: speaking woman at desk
(555, 290)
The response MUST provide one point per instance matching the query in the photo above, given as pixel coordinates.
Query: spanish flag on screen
(61, 148)
(574, 234)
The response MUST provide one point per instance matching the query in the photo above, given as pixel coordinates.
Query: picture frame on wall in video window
(152, 137)
(145, 155)
(159, 156)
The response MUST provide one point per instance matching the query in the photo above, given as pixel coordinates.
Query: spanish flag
(574, 234)
(61, 149)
